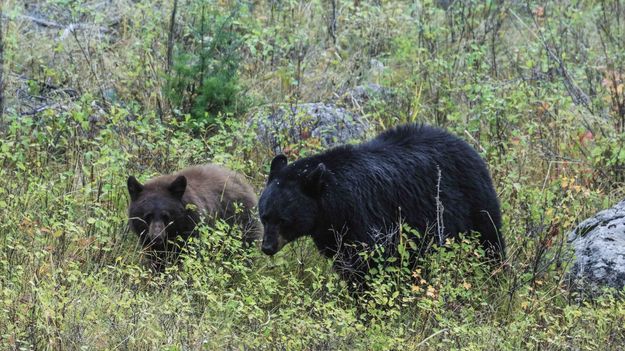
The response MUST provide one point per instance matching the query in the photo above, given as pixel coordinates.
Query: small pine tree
(204, 78)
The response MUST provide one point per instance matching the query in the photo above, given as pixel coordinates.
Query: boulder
(359, 97)
(332, 125)
(599, 246)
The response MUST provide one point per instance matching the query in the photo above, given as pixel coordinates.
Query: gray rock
(599, 245)
(330, 124)
(360, 96)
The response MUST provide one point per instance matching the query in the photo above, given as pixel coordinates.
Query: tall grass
(528, 85)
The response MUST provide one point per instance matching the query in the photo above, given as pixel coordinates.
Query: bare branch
(575, 92)
(42, 22)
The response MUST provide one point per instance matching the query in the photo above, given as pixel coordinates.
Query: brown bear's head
(158, 213)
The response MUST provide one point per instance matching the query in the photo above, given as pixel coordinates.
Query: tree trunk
(1, 69)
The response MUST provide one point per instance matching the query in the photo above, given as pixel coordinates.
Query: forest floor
(95, 91)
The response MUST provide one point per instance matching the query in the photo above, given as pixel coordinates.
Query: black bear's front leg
(352, 262)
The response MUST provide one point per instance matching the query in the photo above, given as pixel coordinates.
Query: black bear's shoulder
(413, 133)
(418, 142)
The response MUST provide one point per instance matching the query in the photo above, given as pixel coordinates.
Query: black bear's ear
(178, 186)
(277, 164)
(134, 187)
(315, 181)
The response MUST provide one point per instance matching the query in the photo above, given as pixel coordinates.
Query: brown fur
(213, 189)
(158, 213)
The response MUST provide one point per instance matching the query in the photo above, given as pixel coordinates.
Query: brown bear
(170, 206)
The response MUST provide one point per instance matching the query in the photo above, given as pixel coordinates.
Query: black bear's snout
(269, 248)
(272, 241)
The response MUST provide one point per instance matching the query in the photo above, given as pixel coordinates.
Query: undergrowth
(536, 88)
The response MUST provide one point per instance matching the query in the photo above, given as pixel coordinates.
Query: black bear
(169, 207)
(352, 196)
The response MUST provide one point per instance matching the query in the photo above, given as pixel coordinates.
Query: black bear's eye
(165, 219)
(148, 218)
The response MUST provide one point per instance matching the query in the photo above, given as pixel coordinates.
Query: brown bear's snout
(156, 233)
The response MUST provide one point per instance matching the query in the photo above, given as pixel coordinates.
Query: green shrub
(204, 79)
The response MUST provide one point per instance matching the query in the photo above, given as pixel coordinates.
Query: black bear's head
(288, 206)
(157, 212)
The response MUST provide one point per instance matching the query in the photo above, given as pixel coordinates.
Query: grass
(536, 88)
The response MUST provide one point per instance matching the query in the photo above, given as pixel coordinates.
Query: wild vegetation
(97, 90)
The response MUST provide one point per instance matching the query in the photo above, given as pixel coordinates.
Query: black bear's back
(417, 137)
(404, 172)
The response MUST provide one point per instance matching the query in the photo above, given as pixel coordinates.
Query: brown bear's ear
(134, 187)
(178, 186)
(277, 164)
(315, 181)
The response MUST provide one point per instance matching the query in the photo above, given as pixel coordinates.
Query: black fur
(356, 194)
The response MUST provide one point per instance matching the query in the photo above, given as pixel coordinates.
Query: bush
(204, 79)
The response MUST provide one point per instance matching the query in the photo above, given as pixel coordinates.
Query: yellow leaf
(431, 292)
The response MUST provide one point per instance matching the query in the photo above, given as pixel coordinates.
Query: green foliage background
(535, 87)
